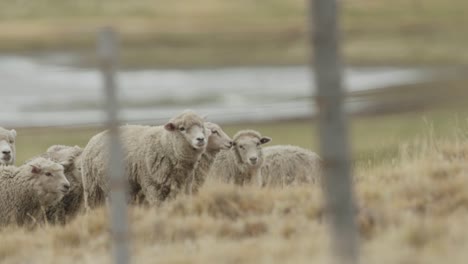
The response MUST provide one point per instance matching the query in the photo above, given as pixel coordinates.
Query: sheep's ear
(170, 126)
(35, 169)
(77, 152)
(66, 163)
(265, 140)
(13, 133)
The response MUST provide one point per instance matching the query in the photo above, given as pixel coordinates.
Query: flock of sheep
(161, 162)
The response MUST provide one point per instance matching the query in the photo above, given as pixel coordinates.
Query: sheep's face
(70, 159)
(195, 135)
(217, 139)
(72, 170)
(49, 181)
(191, 127)
(250, 150)
(7, 146)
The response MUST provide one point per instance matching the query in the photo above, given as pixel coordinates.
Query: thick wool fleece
(27, 191)
(72, 203)
(157, 162)
(289, 166)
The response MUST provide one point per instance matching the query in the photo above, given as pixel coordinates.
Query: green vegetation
(222, 32)
(375, 139)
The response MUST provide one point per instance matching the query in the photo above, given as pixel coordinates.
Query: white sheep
(158, 160)
(217, 140)
(241, 164)
(286, 165)
(71, 203)
(27, 191)
(7, 146)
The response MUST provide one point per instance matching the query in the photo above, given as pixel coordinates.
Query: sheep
(217, 140)
(158, 160)
(287, 165)
(7, 146)
(71, 204)
(241, 164)
(27, 191)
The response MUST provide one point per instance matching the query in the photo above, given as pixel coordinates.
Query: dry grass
(411, 210)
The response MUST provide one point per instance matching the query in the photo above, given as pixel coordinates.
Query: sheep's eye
(215, 132)
(12, 141)
(48, 174)
(241, 146)
(182, 128)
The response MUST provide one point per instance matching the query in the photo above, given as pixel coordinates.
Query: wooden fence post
(333, 130)
(107, 52)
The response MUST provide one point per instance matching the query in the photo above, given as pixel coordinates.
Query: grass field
(413, 209)
(410, 175)
(409, 154)
(375, 138)
(168, 33)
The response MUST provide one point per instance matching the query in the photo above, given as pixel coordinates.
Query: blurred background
(242, 63)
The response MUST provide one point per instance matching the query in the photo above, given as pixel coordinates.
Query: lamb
(217, 140)
(241, 164)
(158, 160)
(27, 191)
(289, 166)
(7, 146)
(71, 204)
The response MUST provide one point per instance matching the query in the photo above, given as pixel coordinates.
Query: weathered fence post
(333, 130)
(107, 52)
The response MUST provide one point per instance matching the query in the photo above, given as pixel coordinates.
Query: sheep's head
(191, 127)
(247, 145)
(48, 179)
(70, 158)
(217, 139)
(7, 146)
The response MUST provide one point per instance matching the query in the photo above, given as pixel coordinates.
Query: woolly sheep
(289, 165)
(70, 205)
(27, 191)
(241, 164)
(158, 160)
(217, 140)
(7, 146)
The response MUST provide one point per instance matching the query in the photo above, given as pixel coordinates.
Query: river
(41, 93)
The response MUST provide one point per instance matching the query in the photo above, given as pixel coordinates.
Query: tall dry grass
(411, 210)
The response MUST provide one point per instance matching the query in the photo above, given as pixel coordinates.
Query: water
(41, 93)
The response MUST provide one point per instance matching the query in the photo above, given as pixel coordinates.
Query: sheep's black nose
(200, 139)
(66, 186)
(253, 159)
(6, 152)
